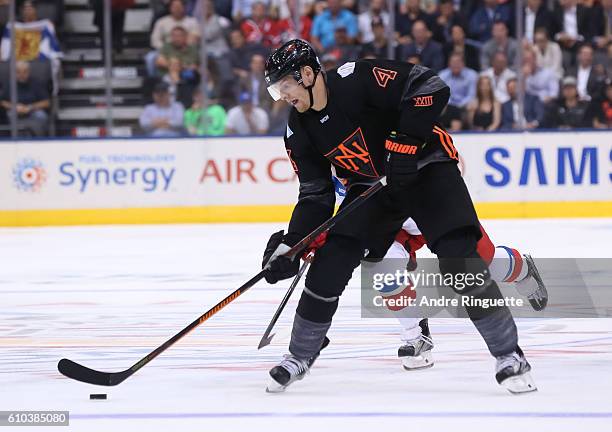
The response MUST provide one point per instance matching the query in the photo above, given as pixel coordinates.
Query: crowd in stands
(564, 55)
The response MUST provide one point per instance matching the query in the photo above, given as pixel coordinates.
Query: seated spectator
(254, 83)
(604, 35)
(499, 75)
(460, 80)
(601, 109)
(260, 28)
(288, 26)
(589, 77)
(484, 113)
(500, 42)
(540, 82)
(533, 110)
(178, 48)
(162, 118)
(242, 52)
(536, 17)
(409, 13)
(202, 121)
(481, 21)
(573, 24)
(163, 28)
(378, 47)
(444, 20)
(324, 25)
(548, 53)
(181, 82)
(246, 119)
(241, 9)
(458, 45)
(568, 112)
(377, 13)
(32, 101)
(428, 50)
(343, 50)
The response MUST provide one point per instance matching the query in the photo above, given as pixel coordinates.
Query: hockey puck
(97, 396)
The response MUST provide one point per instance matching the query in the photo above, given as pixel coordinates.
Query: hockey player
(370, 118)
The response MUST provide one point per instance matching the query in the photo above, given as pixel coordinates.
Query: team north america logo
(29, 175)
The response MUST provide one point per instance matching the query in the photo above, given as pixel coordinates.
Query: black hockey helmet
(287, 60)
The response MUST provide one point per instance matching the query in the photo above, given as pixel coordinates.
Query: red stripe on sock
(518, 266)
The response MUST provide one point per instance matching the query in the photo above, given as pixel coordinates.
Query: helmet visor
(286, 85)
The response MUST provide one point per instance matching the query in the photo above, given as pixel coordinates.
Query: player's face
(292, 92)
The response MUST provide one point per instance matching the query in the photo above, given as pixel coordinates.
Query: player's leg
(445, 214)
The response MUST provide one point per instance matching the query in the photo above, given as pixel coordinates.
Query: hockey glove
(278, 267)
(401, 160)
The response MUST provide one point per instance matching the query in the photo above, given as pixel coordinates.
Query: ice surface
(106, 296)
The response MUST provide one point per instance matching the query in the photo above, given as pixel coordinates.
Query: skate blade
(422, 361)
(519, 384)
(274, 387)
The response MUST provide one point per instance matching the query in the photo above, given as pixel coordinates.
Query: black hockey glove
(278, 266)
(401, 160)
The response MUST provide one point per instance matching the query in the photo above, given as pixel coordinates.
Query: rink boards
(250, 179)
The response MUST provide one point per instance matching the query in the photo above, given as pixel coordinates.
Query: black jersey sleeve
(317, 195)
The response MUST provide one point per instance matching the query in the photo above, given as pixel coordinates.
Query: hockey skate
(416, 354)
(512, 373)
(291, 369)
(533, 286)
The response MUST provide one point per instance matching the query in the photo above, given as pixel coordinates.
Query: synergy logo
(29, 175)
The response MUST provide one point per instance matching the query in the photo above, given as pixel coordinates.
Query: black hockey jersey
(364, 104)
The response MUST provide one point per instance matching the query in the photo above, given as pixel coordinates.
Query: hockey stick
(82, 373)
(265, 340)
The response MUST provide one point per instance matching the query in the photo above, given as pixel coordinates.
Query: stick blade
(84, 374)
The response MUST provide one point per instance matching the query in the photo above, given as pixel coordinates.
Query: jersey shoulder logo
(352, 154)
(289, 132)
(423, 101)
(346, 69)
(383, 76)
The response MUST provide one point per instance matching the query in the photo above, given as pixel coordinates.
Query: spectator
(481, 22)
(571, 26)
(324, 25)
(444, 20)
(601, 109)
(589, 77)
(458, 45)
(539, 81)
(343, 50)
(287, 23)
(162, 32)
(241, 9)
(178, 48)
(32, 101)
(246, 119)
(484, 113)
(537, 16)
(255, 85)
(118, 8)
(499, 75)
(378, 47)
(500, 42)
(365, 20)
(604, 36)
(429, 51)
(548, 53)
(213, 32)
(181, 82)
(533, 110)
(461, 81)
(242, 52)
(568, 111)
(260, 28)
(162, 118)
(200, 120)
(177, 18)
(410, 13)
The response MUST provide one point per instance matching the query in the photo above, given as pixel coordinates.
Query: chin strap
(309, 88)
